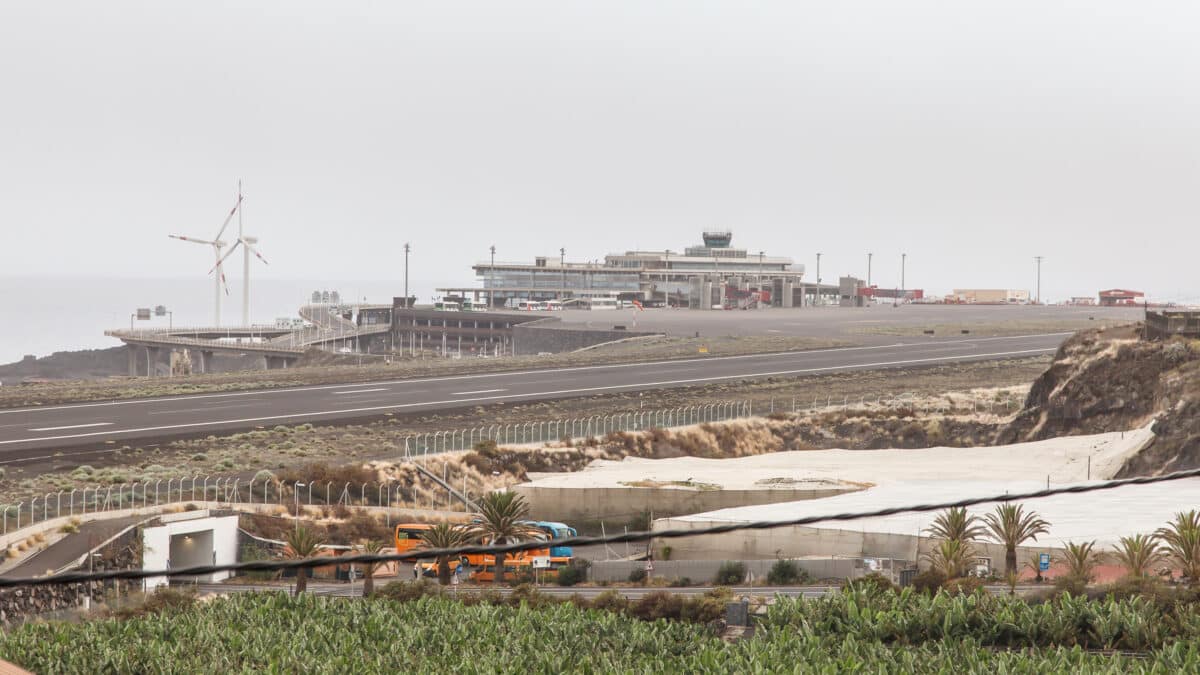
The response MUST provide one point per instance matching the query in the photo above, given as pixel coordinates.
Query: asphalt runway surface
(36, 433)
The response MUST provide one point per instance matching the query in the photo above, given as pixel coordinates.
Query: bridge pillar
(205, 359)
(151, 361)
(277, 362)
(131, 350)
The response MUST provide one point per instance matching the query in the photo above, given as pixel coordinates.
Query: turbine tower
(247, 244)
(216, 244)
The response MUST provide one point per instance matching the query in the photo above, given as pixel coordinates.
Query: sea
(43, 315)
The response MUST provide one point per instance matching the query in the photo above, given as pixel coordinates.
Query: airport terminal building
(711, 275)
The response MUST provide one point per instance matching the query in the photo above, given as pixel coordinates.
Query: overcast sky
(972, 136)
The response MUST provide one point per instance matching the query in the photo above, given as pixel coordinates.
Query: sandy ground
(1104, 517)
(1064, 460)
(907, 477)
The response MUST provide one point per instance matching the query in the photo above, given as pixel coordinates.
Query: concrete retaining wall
(623, 503)
(811, 541)
(534, 339)
(704, 571)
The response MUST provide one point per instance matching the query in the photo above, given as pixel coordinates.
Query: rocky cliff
(1111, 380)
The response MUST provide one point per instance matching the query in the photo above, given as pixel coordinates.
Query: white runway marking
(560, 392)
(610, 366)
(358, 391)
(74, 426)
(481, 391)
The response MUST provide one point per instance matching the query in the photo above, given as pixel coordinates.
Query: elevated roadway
(28, 433)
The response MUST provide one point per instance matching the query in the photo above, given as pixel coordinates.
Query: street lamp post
(562, 272)
(407, 248)
(903, 259)
(492, 279)
(1038, 258)
(818, 298)
(869, 256)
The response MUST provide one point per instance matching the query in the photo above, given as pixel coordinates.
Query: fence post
(72, 507)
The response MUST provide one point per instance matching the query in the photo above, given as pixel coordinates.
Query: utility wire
(425, 554)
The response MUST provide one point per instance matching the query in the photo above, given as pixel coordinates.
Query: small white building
(189, 539)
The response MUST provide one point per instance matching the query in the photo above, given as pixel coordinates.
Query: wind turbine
(217, 245)
(247, 244)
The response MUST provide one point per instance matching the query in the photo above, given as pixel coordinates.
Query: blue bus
(556, 531)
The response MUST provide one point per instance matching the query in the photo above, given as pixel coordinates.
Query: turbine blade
(229, 217)
(255, 252)
(221, 258)
(191, 239)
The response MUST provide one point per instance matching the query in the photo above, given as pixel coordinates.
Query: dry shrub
(963, 585)
(320, 472)
(610, 601)
(407, 591)
(358, 527)
(657, 605)
(161, 600)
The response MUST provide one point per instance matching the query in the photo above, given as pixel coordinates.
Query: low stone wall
(18, 605)
(623, 503)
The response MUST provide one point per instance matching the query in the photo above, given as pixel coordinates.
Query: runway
(52, 428)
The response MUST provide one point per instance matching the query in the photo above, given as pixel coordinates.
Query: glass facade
(550, 278)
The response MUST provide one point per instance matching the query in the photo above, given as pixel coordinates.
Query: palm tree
(1181, 541)
(951, 558)
(1081, 561)
(302, 543)
(1137, 554)
(501, 515)
(1012, 526)
(954, 524)
(372, 547)
(445, 535)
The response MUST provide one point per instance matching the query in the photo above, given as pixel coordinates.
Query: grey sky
(972, 136)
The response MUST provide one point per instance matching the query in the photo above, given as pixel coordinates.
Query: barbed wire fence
(422, 447)
(626, 537)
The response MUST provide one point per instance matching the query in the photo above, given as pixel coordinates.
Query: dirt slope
(1110, 380)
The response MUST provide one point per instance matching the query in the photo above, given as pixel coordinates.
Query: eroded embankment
(1111, 380)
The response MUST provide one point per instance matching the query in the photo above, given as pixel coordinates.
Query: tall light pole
(869, 256)
(760, 266)
(407, 248)
(492, 280)
(903, 259)
(818, 298)
(562, 271)
(1038, 258)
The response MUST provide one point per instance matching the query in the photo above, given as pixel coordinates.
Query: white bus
(528, 305)
(446, 306)
(602, 303)
(474, 305)
(552, 305)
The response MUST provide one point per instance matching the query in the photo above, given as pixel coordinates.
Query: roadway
(349, 590)
(34, 433)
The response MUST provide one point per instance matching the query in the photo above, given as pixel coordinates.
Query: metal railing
(222, 490)
(419, 446)
(1003, 404)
